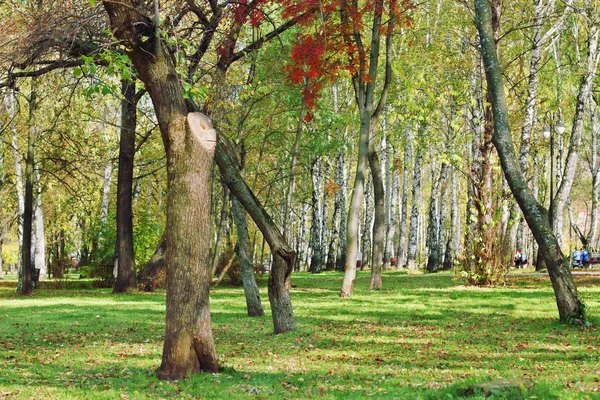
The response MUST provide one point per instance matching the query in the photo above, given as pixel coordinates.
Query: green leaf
(92, 3)
(77, 72)
(105, 89)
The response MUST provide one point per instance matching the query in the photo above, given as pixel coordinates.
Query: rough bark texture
(189, 345)
(125, 278)
(569, 306)
(283, 255)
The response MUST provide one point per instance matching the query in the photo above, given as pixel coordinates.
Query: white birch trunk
(402, 241)
(414, 215)
(9, 101)
(39, 232)
(595, 128)
(316, 259)
(106, 191)
(366, 242)
(583, 98)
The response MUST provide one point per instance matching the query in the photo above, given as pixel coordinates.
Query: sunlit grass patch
(422, 336)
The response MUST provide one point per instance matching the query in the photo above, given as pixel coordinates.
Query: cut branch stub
(203, 130)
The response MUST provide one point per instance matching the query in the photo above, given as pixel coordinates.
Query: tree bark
(433, 259)
(378, 218)
(583, 98)
(401, 262)
(251, 291)
(569, 305)
(283, 254)
(125, 279)
(413, 232)
(28, 262)
(316, 259)
(189, 142)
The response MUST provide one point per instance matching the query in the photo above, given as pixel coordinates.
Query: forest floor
(421, 337)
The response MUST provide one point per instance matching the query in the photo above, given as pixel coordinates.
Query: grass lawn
(421, 337)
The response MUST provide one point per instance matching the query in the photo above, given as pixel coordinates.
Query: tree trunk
(189, 142)
(402, 260)
(366, 244)
(583, 97)
(125, 278)
(106, 192)
(9, 101)
(223, 217)
(433, 259)
(414, 215)
(595, 128)
(149, 273)
(443, 211)
(392, 184)
(378, 218)
(290, 188)
(569, 305)
(251, 291)
(40, 239)
(356, 201)
(282, 253)
(28, 266)
(341, 199)
(316, 259)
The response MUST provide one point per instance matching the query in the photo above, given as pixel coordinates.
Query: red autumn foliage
(336, 42)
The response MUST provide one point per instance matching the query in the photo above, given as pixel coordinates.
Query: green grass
(421, 337)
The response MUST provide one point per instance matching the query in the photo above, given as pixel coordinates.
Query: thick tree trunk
(413, 232)
(569, 305)
(125, 278)
(189, 142)
(283, 255)
(251, 291)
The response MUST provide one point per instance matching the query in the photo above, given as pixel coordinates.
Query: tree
(570, 307)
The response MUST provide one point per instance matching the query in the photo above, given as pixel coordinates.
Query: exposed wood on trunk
(189, 345)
